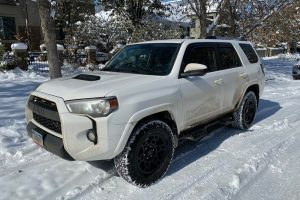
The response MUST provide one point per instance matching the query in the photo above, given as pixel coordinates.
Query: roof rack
(226, 38)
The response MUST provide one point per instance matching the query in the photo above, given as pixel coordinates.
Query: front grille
(45, 113)
(44, 103)
(48, 123)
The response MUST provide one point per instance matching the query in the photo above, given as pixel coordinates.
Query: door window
(200, 55)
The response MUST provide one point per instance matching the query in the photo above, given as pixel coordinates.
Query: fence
(39, 59)
(268, 52)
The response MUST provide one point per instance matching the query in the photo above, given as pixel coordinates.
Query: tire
(244, 116)
(147, 154)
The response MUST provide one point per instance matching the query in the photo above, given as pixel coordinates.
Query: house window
(7, 28)
(193, 23)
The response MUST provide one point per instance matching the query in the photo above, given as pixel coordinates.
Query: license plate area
(38, 137)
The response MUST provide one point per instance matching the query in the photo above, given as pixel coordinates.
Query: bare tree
(281, 27)
(265, 16)
(48, 28)
(241, 17)
(199, 7)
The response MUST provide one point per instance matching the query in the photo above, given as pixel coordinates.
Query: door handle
(219, 82)
(244, 75)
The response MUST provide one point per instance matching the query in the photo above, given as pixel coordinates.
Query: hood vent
(87, 77)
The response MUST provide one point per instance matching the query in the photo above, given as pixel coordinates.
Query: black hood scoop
(87, 77)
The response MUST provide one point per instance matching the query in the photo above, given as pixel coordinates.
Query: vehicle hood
(71, 88)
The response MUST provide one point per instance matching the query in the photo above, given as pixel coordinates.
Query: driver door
(201, 95)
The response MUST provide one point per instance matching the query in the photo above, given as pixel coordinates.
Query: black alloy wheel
(148, 153)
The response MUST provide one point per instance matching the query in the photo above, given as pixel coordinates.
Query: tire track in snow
(80, 191)
(27, 162)
(225, 165)
(65, 191)
(250, 171)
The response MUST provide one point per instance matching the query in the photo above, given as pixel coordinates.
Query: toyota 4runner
(148, 96)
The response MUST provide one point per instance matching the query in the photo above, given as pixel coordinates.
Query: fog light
(91, 135)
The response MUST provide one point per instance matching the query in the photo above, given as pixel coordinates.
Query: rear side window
(228, 58)
(250, 53)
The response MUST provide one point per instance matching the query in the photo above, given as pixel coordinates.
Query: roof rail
(226, 38)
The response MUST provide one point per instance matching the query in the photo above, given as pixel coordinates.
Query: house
(19, 21)
(196, 26)
(222, 29)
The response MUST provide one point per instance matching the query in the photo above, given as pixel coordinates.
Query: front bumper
(74, 130)
(52, 143)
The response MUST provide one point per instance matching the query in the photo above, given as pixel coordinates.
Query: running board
(199, 132)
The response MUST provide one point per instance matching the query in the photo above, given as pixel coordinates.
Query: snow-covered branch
(281, 6)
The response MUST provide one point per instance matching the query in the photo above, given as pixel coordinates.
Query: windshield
(150, 59)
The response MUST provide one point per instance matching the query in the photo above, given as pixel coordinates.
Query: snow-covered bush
(108, 29)
(289, 56)
(8, 61)
(153, 28)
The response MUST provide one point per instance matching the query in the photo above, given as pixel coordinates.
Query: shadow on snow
(190, 151)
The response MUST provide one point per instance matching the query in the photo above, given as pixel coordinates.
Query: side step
(200, 131)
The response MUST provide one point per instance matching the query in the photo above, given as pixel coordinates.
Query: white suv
(148, 96)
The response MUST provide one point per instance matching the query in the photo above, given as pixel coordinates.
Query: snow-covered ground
(262, 163)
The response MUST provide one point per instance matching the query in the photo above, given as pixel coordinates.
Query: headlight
(93, 107)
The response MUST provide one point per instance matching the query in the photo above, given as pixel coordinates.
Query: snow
(104, 15)
(91, 47)
(261, 163)
(72, 46)
(60, 47)
(19, 46)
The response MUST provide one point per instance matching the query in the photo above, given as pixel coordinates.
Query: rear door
(234, 75)
(253, 64)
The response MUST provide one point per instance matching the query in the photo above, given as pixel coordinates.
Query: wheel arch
(164, 116)
(157, 113)
(254, 88)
